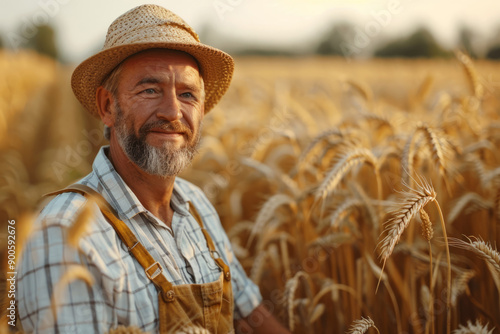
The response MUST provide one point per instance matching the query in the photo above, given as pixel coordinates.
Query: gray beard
(161, 161)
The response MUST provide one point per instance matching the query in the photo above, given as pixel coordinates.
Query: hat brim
(216, 68)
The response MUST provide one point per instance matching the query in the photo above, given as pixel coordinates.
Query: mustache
(175, 126)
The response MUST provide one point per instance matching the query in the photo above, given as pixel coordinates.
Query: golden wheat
(282, 141)
(362, 325)
(476, 328)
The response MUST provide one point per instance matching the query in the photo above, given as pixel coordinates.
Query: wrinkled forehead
(160, 58)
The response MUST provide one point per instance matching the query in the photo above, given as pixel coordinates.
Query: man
(157, 254)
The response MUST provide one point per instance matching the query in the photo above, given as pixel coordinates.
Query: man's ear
(105, 100)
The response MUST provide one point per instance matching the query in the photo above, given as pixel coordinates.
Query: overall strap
(210, 243)
(152, 268)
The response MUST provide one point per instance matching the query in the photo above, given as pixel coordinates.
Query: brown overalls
(208, 305)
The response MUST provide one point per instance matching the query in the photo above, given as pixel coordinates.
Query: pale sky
(82, 24)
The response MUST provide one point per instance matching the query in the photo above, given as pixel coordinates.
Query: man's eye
(149, 91)
(187, 94)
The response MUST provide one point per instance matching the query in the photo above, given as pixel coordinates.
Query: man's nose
(170, 108)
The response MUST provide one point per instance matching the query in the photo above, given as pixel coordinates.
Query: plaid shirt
(121, 294)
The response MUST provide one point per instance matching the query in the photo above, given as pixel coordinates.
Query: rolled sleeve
(246, 293)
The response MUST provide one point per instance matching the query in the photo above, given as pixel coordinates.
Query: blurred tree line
(342, 39)
(41, 38)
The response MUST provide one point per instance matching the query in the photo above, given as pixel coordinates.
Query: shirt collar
(121, 197)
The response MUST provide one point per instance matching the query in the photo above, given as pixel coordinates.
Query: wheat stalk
(317, 311)
(483, 144)
(413, 201)
(240, 227)
(497, 203)
(426, 297)
(258, 266)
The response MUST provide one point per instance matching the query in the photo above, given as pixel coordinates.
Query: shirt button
(228, 276)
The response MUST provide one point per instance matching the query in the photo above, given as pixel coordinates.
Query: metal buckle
(215, 254)
(151, 277)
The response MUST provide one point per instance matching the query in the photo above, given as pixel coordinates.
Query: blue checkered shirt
(121, 294)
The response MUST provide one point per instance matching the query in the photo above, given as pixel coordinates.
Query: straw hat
(147, 27)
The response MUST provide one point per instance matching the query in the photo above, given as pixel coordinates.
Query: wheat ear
(266, 213)
(307, 152)
(340, 169)
(258, 266)
(342, 210)
(427, 233)
(413, 200)
(438, 145)
(470, 198)
(427, 230)
(332, 240)
(460, 285)
(80, 226)
(477, 328)
(481, 248)
(424, 90)
(475, 85)
(290, 288)
(497, 203)
(407, 157)
(74, 272)
(362, 325)
(126, 330)
(362, 89)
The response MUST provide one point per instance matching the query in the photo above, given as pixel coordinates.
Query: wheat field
(361, 196)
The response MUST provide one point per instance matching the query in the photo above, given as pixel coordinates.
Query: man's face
(158, 111)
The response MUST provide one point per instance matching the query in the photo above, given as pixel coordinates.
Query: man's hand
(260, 321)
